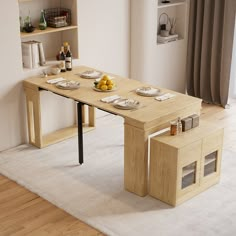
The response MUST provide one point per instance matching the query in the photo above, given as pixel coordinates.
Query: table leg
(34, 116)
(136, 160)
(91, 111)
(80, 131)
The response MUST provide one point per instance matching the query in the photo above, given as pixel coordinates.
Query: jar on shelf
(173, 128)
(42, 21)
(163, 24)
(28, 27)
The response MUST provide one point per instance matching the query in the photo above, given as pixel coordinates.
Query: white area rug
(94, 191)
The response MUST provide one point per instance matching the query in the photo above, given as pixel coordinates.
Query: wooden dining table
(151, 116)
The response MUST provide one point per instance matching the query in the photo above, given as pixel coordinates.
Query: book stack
(32, 54)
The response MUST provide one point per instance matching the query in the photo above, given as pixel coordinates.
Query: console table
(150, 117)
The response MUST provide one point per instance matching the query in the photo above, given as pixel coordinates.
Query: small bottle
(42, 21)
(179, 126)
(173, 128)
(62, 59)
(68, 59)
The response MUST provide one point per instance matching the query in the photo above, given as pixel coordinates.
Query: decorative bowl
(55, 70)
(29, 29)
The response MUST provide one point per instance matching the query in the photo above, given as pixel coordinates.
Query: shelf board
(174, 41)
(187, 172)
(209, 160)
(63, 134)
(49, 63)
(171, 4)
(47, 31)
(24, 0)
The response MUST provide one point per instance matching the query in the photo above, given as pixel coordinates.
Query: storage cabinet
(52, 38)
(184, 165)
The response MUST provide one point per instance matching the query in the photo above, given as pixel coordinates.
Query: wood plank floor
(23, 213)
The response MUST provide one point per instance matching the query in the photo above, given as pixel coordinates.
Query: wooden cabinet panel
(190, 153)
(212, 142)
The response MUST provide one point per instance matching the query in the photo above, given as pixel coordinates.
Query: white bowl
(165, 33)
(55, 70)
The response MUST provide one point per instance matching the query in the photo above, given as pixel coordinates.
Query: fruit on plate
(105, 83)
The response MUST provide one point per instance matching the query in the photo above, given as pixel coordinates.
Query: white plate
(126, 104)
(91, 74)
(148, 91)
(68, 84)
(99, 90)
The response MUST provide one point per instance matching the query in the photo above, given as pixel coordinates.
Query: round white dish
(55, 70)
(68, 84)
(148, 91)
(126, 104)
(91, 74)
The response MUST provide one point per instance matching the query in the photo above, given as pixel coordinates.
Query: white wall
(104, 40)
(160, 65)
(12, 129)
(104, 34)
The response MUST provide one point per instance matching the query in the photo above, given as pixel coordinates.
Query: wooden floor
(25, 213)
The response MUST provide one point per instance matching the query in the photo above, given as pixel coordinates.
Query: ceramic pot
(164, 33)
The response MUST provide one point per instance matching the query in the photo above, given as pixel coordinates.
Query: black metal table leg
(80, 132)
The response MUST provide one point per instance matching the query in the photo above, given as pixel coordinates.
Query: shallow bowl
(55, 70)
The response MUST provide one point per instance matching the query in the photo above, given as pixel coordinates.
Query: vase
(172, 30)
(164, 33)
(42, 21)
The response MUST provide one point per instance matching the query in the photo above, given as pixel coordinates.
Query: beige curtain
(210, 45)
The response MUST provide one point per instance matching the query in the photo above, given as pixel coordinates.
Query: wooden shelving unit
(51, 38)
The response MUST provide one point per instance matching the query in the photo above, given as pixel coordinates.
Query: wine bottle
(65, 45)
(68, 59)
(62, 59)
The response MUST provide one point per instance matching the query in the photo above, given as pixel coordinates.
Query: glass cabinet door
(189, 175)
(210, 163)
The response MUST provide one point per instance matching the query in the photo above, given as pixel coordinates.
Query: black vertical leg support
(80, 132)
